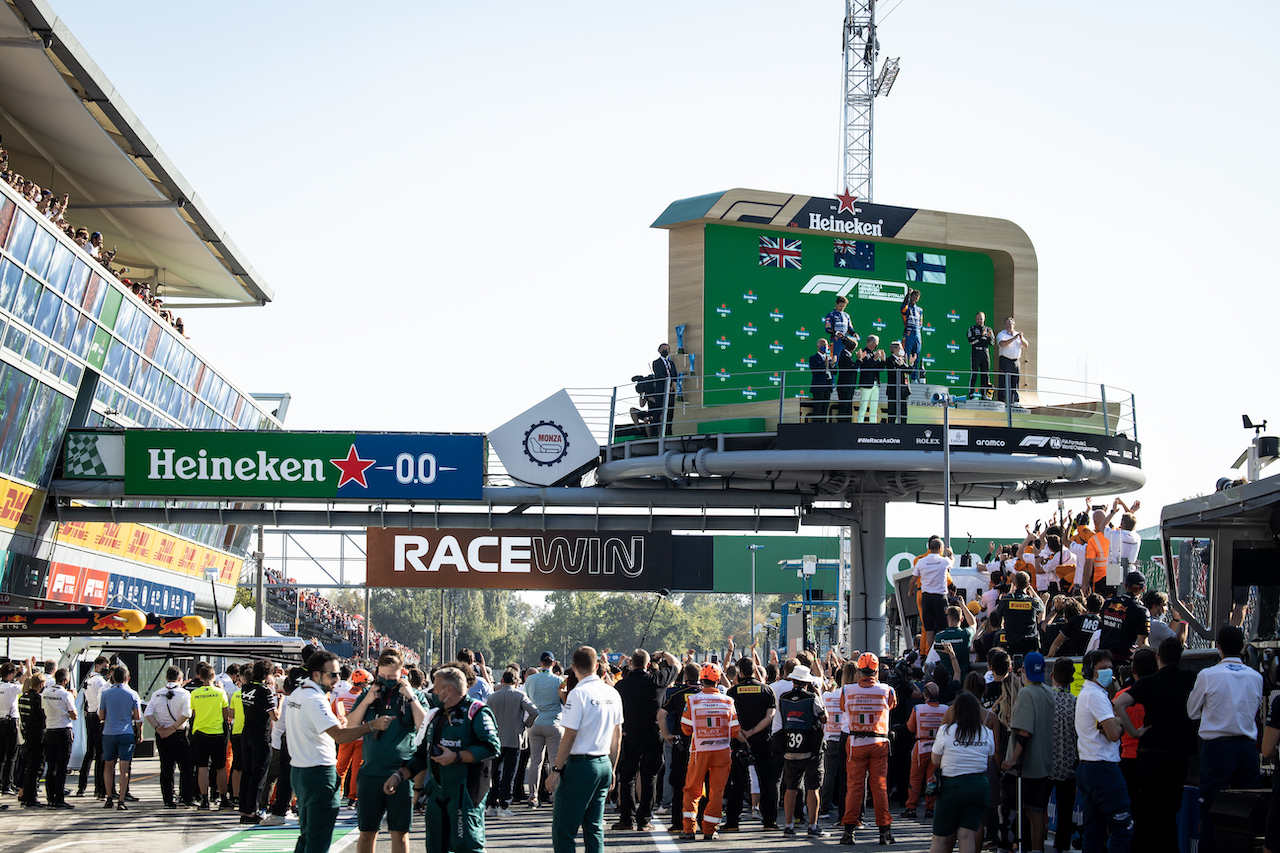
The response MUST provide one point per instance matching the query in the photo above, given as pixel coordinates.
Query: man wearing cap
(866, 704)
(803, 718)
(1125, 621)
(588, 753)
(711, 721)
(1029, 755)
(543, 690)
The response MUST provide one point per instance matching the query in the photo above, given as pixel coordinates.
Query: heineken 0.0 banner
(377, 466)
(768, 291)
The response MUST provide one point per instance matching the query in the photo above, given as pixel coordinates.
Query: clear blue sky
(451, 201)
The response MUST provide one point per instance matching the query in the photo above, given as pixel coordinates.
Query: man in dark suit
(821, 385)
(664, 369)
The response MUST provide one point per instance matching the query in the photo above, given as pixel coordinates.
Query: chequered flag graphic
(82, 458)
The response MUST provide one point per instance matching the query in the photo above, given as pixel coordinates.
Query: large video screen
(767, 292)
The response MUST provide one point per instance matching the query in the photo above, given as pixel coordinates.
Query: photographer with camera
(385, 752)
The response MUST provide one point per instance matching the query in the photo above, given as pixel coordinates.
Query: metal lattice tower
(861, 85)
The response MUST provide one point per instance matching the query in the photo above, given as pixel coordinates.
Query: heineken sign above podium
(281, 465)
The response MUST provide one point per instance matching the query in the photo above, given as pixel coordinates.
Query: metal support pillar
(867, 622)
(259, 592)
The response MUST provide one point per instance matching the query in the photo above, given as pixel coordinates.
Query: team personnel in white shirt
(314, 735)
(932, 571)
(1107, 809)
(10, 690)
(91, 690)
(588, 755)
(167, 713)
(59, 713)
(1226, 701)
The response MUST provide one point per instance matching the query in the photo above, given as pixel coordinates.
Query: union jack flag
(780, 252)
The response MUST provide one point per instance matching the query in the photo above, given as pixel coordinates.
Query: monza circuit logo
(546, 443)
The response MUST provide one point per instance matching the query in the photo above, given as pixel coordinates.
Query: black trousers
(735, 791)
(979, 370)
(284, 789)
(1161, 776)
(33, 755)
(1065, 791)
(175, 753)
(8, 751)
(507, 762)
(92, 755)
(897, 396)
(1008, 380)
(518, 793)
(642, 755)
(679, 767)
(255, 752)
(57, 755)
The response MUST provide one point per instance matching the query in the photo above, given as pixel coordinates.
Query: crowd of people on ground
(53, 207)
(710, 748)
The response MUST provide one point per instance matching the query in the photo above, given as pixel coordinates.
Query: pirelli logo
(742, 690)
(1019, 605)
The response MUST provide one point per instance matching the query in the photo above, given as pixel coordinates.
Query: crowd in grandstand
(53, 208)
(336, 624)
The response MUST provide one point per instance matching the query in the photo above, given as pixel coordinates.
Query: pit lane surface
(149, 828)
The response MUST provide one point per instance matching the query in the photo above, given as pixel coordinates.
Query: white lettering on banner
(164, 466)
(868, 289)
(519, 554)
(818, 222)
(63, 583)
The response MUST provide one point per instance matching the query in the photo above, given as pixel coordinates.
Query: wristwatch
(559, 770)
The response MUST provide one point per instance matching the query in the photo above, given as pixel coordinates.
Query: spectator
(803, 719)
(119, 706)
(640, 691)
(91, 690)
(543, 689)
(10, 690)
(959, 638)
(1225, 699)
(1157, 604)
(962, 752)
(515, 714)
(933, 570)
(1029, 756)
(1066, 753)
(756, 705)
(259, 708)
(1022, 612)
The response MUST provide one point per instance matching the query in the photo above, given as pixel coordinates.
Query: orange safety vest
(711, 719)
(1098, 550)
(866, 708)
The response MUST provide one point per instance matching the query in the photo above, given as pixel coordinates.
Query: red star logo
(353, 468)
(846, 201)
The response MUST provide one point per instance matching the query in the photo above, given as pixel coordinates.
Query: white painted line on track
(60, 846)
(217, 839)
(662, 840)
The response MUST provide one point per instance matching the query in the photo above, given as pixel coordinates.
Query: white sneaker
(272, 820)
(662, 810)
(492, 811)
(506, 813)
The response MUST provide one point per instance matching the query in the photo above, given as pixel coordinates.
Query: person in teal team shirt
(390, 695)
(460, 739)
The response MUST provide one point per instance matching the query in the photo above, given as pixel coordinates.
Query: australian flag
(780, 252)
(927, 268)
(855, 255)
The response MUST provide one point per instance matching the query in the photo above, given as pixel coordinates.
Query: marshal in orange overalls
(924, 722)
(712, 723)
(350, 754)
(866, 707)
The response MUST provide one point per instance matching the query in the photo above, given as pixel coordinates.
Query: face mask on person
(389, 683)
(1104, 677)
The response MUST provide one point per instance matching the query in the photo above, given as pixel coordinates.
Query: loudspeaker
(1239, 819)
